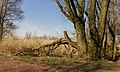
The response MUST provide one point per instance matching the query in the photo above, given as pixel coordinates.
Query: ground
(8, 64)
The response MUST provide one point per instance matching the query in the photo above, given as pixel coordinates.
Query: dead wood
(39, 51)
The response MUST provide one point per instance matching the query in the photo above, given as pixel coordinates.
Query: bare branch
(63, 11)
(74, 44)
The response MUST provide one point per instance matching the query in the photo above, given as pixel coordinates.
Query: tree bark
(81, 40)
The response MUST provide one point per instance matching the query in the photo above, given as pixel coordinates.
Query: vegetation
(68, 64)
(96, 24)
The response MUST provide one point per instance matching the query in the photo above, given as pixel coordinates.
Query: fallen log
(37, 51)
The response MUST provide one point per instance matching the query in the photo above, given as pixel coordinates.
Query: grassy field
(13, 46)
(9, 47)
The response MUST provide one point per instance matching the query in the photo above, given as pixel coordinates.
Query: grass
(70, 64)
(14, 46)
(46, 60)
(55, 62)
(11, 46)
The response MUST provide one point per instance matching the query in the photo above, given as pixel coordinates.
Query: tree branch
(63, 11)
(74, 8)
(74, 44)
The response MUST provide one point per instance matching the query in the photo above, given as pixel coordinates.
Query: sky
(42, 17)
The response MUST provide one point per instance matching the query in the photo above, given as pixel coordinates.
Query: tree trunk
(102, 19)
(81, 40)
(102, 23)
(93, 31)
(1, 32)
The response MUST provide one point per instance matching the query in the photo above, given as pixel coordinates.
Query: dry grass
(10, 46)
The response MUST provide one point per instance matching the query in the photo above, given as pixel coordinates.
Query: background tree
(113, 24)
(10, 12)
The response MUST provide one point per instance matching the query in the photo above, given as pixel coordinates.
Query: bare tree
(10, 12)
(96, 15)
(28, 35)
(113, 24)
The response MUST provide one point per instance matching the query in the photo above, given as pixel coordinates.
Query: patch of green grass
(69, 64)
(46, 60)
(66, 64)
(27, 59)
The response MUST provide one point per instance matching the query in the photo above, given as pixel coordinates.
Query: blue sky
(43, 17)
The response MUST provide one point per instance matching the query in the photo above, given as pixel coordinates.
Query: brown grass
(10, 46)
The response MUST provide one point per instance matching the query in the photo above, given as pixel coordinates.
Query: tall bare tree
(78, 13)
(10, 12)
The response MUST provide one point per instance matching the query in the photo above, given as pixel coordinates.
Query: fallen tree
(47, 49)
